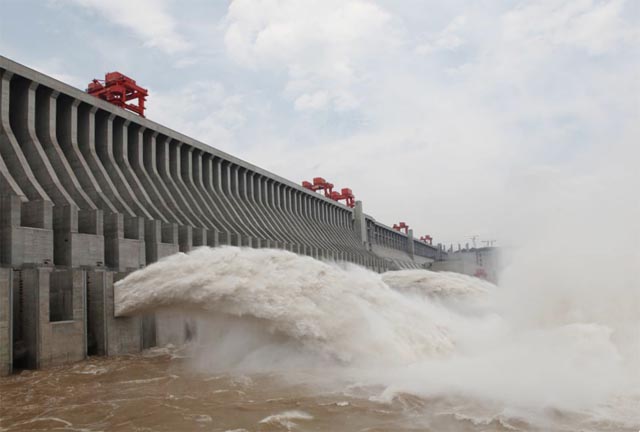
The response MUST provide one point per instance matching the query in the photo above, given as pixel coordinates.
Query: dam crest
(90, 192)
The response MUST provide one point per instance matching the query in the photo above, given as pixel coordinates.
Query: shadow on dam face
(90, 192)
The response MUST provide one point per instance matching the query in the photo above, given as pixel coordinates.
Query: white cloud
(429, 110)
(315, 101)
(447, 40)
(148, 19)
(437, 141)
(56, 68)
(323, 46)
(594, 26)
(203, 110)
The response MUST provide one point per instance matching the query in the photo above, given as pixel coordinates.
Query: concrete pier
(6, 321)
(90, 192)
(48, 316)
(108, 335)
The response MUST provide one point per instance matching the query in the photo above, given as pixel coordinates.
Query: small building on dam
(90, 192)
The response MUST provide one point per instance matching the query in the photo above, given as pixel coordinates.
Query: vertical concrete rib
(10, 149)
(318, 215)
(150, 157)
(348, 235)
(8, 185)
(270, 202)
(250, 193)
(313, 224)
(46, 124)
(23, 118)
(201, 176)
(53, 147)
(187, 170)
(221, 187)
(88, 134)
(295, 230)
(278, 231)
(254, 189)
(353, 237)
(345, 216)
(135, 160)
(265, 189)
(177, 168)
(238, 192)
(279, 207)
(211, 179)
(67, 138)
(308, 230)
(300, 234)
(164, 162)
(253, 195)
(105, 132)
(312, 234)
(120, 157)
(326, 232)
(222, 182)
(229, 176)
(346, 238)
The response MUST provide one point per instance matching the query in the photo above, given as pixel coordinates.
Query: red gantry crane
(345, 194)
(401, 227)
(119, 90)
(320, 184)
(427, 239)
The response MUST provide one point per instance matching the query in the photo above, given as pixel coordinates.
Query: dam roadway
(90, 192)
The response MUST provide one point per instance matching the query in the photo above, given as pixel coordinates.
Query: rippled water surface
(281, 342)
(158, 391)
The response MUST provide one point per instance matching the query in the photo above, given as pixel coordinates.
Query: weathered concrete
(6, 323)
(49, 316)
(125, 247)
(99, 192)
(26, 236)
(78, 249)
(108, 335)
(161, 240)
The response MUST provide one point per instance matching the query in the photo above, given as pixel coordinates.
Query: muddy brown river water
(279, 342)
(160, 391)
(157, 392)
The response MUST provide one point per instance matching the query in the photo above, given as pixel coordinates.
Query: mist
(533, 345)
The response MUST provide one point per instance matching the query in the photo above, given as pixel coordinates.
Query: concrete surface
(90, 192)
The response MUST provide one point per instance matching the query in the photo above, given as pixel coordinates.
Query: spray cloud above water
(413, 331)
(342, 312)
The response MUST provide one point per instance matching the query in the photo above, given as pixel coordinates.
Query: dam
(90, 192)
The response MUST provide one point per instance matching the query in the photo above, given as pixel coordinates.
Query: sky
(451, 116)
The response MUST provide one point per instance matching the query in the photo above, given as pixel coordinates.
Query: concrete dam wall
(90, 192)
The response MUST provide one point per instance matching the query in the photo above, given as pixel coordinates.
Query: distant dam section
(90, 192)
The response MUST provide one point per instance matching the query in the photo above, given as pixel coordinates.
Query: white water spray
(418, 332)
(345, 313)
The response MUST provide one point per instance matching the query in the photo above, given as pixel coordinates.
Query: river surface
(159, 391)
(279, 342)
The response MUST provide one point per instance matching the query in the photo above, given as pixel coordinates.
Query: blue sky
(440, 114)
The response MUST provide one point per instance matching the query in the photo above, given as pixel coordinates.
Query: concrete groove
(98, 192)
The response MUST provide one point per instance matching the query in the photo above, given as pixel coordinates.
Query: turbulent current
(283, 342)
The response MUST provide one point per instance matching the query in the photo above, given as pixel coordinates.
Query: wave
(437, 284)
(342, 312)
(415, 332)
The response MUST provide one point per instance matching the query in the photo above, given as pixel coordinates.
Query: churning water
(284, 342)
